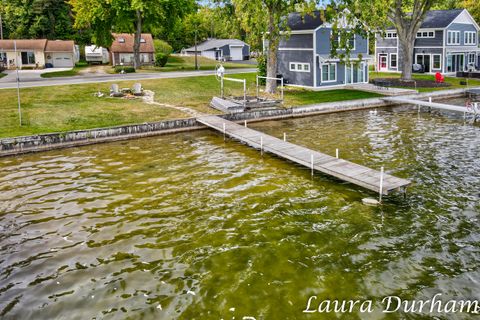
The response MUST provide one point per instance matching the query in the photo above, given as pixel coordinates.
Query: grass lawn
(64, 108)
(67, 73)
(2, 75)
(180, 63)
(455, 82)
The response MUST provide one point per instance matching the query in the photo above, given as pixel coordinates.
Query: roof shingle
(127, 45)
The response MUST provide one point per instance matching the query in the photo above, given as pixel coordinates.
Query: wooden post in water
(381, 185)
(245, 123)
(224, 132)
(261, 145)
(311, 162)
(285, 136)
(336, 153)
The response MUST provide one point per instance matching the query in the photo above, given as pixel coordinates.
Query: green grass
(67, 73)
(2, 75)
(178, 63)
(453, 81)
(74, 107)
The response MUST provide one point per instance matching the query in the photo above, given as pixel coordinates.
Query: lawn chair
(137, 89)
(439, 78)
(114, 91)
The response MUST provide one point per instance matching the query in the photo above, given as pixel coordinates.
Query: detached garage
(221, 49)
(60, 54)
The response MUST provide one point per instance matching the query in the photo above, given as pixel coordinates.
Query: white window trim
(468, 58)
(303, 67)
(473, 36)
(427, 36)
(328, 65)
(354, 42)
(433, 61)
(391, 35)
(390, 61)
(452, 32)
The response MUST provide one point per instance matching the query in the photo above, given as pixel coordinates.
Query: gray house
(447, 42)
(221, 49)
(304, 56)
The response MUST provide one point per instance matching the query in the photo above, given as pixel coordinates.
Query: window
(3, 57)
(471, 58)
(337, 42)
(453, 37)
(437, 62)
(393, 60)
(142, 40)
(121, 40)
(426, 34)
(470, 37)
(329, 72)
(28, 57)
(391, 35)
(299, 67)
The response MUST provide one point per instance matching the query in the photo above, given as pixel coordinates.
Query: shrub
(262, 67)
(161, 59)
(162, 47)
(2, 67)
(126, 69)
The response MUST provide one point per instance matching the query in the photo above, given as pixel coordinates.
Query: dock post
(245, 123)
(261, 145)
(311, 162)
(336, 153)
(381, 185)
(258, 93)
(285, 136)
(429, 100)
(224, 132)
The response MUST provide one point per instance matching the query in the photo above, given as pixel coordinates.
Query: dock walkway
(338, 168)
(434, 105)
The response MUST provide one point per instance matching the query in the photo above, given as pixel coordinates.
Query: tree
(266, 18)
(405, 15)
(473, 6)
(133, 16)
(49, 19)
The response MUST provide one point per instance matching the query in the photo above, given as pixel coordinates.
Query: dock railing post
(245, 123)
(244, 93)
(224, 132)
(221, 88)
(311, 162)
(381, 185)
(282, 89)
(261, 145)
(258, 90)
(285, 136)
(336, 153)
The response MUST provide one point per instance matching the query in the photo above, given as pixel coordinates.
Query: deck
(314, 160)
(433, 105)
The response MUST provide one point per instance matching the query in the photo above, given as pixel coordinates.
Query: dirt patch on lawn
(99, 69)
(395, 82)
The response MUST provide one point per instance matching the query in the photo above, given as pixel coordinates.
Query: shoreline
(59, 140)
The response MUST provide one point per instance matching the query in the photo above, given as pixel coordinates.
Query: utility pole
(196, 58)
(1, 27)
(18, 82)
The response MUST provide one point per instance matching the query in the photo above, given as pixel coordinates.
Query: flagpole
(18, 82)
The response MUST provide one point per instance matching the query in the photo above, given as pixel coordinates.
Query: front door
(424, 60)
(383, 62)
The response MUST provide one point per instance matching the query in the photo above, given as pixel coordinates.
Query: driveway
(27, 75)
(9, 81)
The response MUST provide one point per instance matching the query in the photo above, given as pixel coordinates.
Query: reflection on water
(189, 227)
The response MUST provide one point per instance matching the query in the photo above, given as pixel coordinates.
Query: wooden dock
(433, 105)
(314, 160)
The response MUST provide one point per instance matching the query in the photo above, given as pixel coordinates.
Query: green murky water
(188, 226)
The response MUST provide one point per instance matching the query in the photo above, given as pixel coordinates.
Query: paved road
(46, 82)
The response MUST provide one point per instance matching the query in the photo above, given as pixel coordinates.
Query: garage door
(236, 53)
(62, 60)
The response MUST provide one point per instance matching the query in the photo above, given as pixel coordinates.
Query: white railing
(270, 78)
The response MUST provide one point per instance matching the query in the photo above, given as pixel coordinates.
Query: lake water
(188, 226)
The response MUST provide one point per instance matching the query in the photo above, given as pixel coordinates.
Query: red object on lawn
(439, 78)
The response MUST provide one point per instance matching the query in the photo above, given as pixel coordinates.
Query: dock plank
(338, 168)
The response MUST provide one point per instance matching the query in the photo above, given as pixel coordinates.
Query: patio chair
(114, 91)
(439, 78)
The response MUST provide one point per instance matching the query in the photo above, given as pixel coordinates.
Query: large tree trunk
(406, 44)
(271, 86)
(137, 38)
